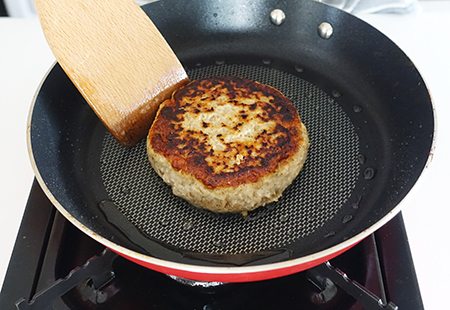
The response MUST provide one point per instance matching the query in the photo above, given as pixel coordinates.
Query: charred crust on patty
(217, 152)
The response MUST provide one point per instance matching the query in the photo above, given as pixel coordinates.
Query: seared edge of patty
(242, 198)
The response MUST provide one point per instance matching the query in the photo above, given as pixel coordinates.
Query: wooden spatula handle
(116, 57)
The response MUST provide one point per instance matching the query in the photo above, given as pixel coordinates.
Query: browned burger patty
(227, 144)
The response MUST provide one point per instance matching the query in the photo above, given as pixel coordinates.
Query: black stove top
(55, 266)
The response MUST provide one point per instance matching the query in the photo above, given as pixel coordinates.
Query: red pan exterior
(236, 277)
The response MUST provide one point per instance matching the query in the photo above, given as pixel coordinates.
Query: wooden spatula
(117, 59)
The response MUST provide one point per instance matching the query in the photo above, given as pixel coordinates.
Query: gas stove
(56, 266)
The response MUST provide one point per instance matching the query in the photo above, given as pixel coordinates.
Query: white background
(424, 36)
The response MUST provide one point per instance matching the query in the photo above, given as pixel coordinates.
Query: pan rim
(318, 257)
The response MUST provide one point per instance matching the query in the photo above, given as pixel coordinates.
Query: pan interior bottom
(318, 193)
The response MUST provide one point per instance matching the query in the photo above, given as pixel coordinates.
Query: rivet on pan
(277, 17)
(267, 61)
(220, 62)
(325, 30)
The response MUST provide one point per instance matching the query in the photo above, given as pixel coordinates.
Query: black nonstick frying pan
(366, 107)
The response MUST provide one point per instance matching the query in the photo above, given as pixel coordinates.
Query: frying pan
(366, 107)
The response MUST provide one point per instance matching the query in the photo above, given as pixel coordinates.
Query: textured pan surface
(325, 184)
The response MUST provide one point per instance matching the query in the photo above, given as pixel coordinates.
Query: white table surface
(424, 36)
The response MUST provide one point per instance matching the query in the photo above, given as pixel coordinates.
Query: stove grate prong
(322, 275)
(97, 270)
